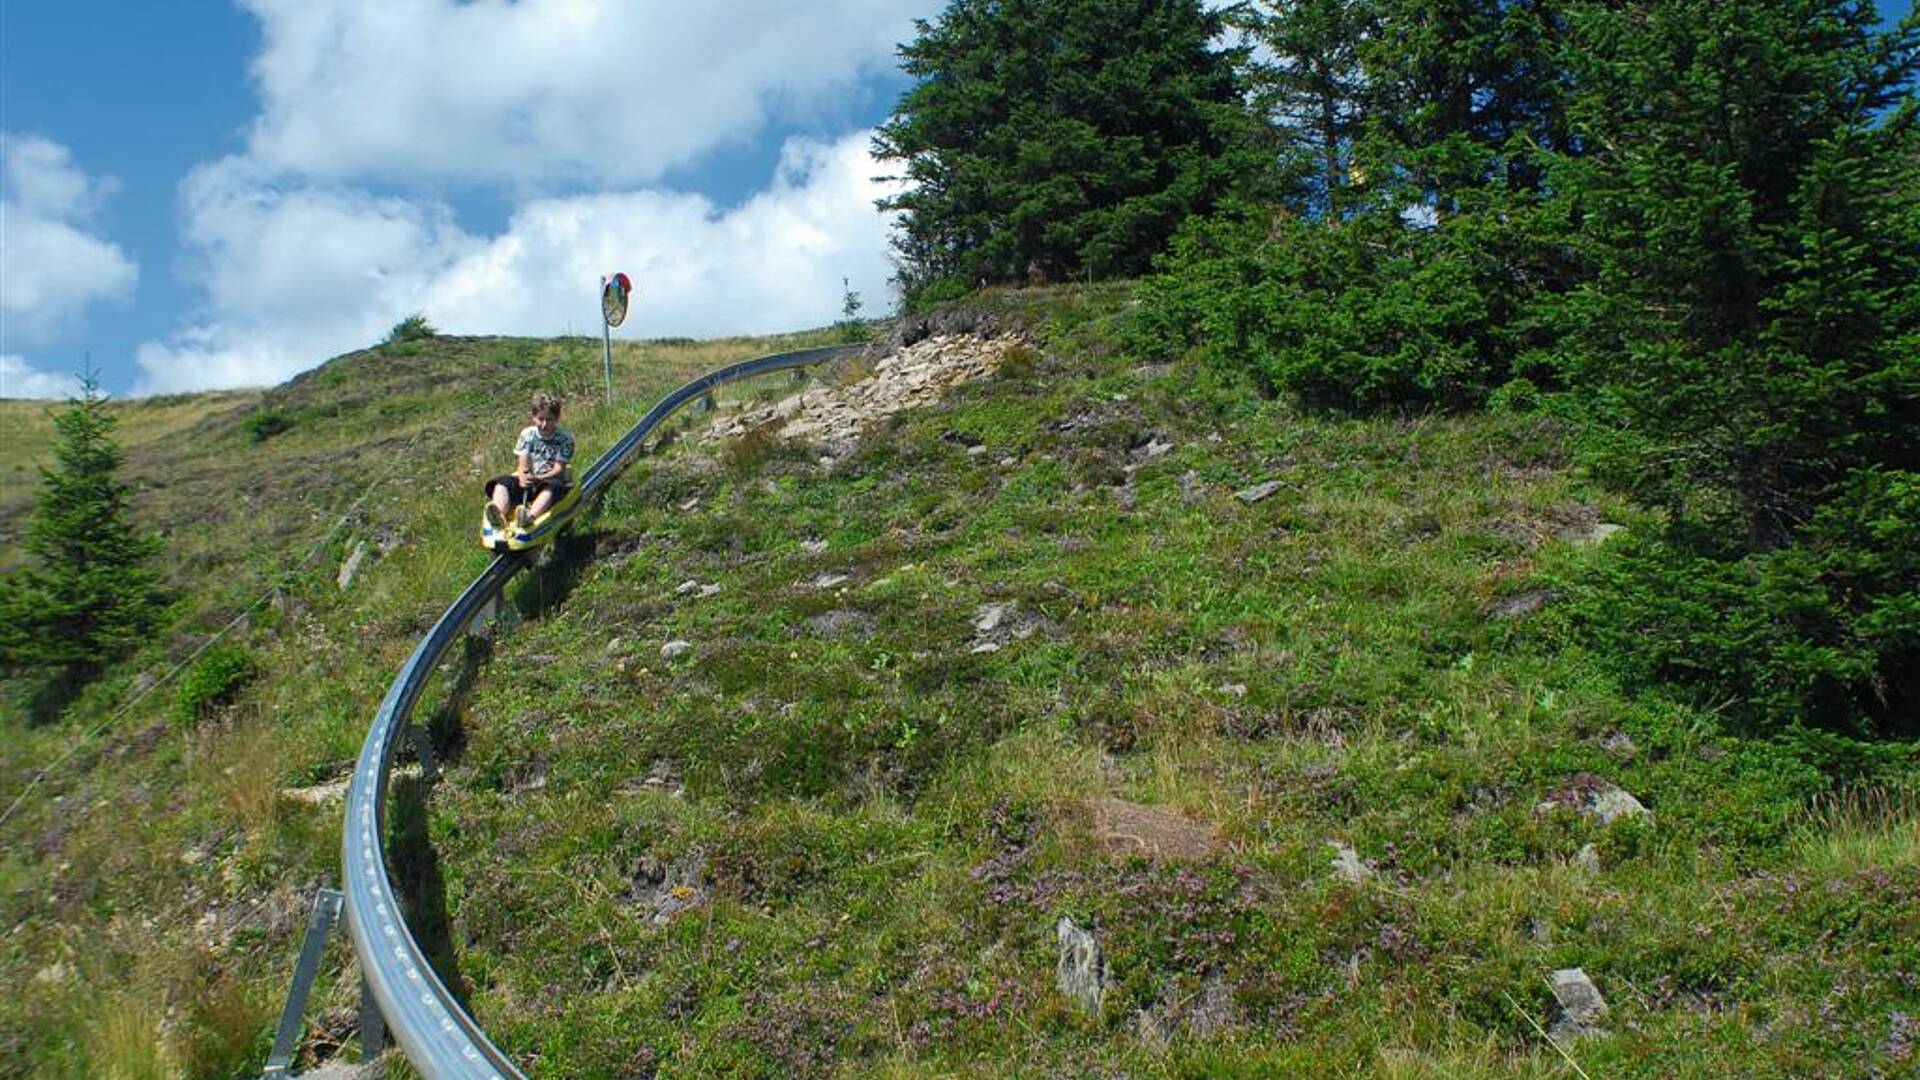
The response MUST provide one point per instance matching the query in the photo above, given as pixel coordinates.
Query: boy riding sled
(543, 452)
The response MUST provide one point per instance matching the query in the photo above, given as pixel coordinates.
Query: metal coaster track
(437, 1034)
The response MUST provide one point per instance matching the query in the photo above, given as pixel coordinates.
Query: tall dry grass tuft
(1860, 828)
(126, 1039)
(240, 765)
(230, 1025)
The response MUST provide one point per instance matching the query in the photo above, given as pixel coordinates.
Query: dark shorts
(519, 493)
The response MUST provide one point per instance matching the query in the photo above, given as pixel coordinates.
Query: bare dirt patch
(1161, 835)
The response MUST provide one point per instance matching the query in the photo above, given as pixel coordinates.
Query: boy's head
(546, 412)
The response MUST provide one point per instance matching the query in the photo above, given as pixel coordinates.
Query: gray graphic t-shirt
(543, 451)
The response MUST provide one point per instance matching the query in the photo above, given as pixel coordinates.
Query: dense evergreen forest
(1690, 229)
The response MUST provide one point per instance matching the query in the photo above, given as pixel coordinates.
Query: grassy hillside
(154, 881)
(26, 433)
(1045, 652)
(875, 825)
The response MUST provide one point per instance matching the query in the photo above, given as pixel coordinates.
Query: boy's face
(546, 424)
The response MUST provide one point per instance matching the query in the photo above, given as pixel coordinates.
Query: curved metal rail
(429, 1024)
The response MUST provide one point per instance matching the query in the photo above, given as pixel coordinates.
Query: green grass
(881, 825)
(890, 823)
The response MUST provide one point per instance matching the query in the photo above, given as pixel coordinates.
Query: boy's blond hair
(546, 406)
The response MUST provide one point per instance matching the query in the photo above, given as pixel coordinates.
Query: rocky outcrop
(1081, 972)
(1582, 1009)
(912, 377)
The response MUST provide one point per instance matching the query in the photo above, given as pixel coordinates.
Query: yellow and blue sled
(539, 531)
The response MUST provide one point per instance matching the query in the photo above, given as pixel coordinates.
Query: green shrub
(414, 327)
(934, 293)
(1822, 634)
(211, 681)
(266, 422)
(1362, 315)
(1514, 396)
(852, 328)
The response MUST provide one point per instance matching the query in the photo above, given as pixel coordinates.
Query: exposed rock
(351, 568)
(788, 408)
(687, 586)
(1588, 794)
(1520, 604)
(673, 650)
(1621, 745)
(532, 778)
(664, 890)
(320, 794)
(1588, 859)
(989, 617)
(915, 375)
(1257, 492)
(813, 547)
(386, 538)
(1348, 865)
(1591, 535)
(1613, 804)
(830, 581)
(994, 625)
(1081, 973)
(1215, 1010)
(1130, 828)
(1582, 1009)
(1192, 488)
(843, 623)
(1201, 1013)
(956, 320)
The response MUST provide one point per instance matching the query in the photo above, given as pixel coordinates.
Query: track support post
(373, 1026)
(286, 1039)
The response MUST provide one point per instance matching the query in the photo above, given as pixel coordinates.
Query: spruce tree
(1747, 341)
(1463, 95)
(91, 589)
(1058, 139)
(1748, 324)
(1310, 86)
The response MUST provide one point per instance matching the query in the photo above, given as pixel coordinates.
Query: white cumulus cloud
(294, 274)
(51, 265)
(774, 263)
(19, 379)
(539, 91)
(298, 273)
(572, 109)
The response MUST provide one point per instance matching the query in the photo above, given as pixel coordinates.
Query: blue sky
(213, 194)
(219, 194)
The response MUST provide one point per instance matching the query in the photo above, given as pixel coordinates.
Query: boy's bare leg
(500, 499)
(540, 503)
